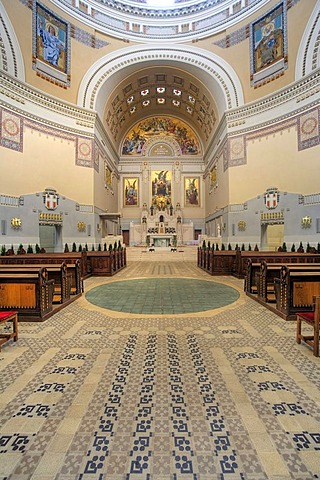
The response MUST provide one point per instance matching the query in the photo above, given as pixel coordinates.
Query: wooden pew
(243, 257)
(59, 273)
(295, 290)
(29, 292)
(73, 268)
(270, 271)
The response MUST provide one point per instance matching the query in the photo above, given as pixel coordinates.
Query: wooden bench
(270, 271)
(312, 319)
(295, 290)
(9, 316)
(59, 273)
(30, 293)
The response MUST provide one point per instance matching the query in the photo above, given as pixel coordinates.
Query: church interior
(157, 129)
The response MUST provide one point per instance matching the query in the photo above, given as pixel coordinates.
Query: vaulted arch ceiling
(139, 81)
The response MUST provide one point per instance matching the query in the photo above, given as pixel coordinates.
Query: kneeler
(312, 319)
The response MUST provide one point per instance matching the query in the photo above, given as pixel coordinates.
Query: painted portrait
(268, 43)
(131, 192)
(108, 179)
(192, 193)
(51, 44)
(161, 182)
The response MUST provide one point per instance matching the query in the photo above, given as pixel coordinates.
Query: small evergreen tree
(37, 248)
(110, 245)
(209, 245)
(21, 250)
(229, 246)
(104, 247)
(29, 249)
(308, 248)
(249, 247)
(204, 244)
(86, 247)
(256, 249)
(115, 245)
(217, 247)
(99, 247)
(318, 248)
(293, 248)
(284, 247)
(119, 245)
(3, 250)
(243, 247)
(300, 249)
(80, 248)
(66, 248)
(223, 247)
(74, 247)
(92, 249)
(237, 247)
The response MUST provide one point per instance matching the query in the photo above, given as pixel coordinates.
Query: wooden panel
(303, 293)
(14, 295)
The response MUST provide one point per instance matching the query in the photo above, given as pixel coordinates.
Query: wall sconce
(242, 225)
(81, 226)
(16, 223)
(306, 222)
(144, 219)
(179, 219)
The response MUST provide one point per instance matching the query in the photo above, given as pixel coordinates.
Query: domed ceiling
(143, 20)
(151, 88)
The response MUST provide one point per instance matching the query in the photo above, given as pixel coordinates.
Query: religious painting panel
(192, 193)
(131, 192)
(161, 136)
(51, 45)
(268, 41)
(161, 183)
(213, 178)
(108, 179)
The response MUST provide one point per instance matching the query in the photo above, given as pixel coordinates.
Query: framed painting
(108, 177)
(268, 41)
(51, 45)
(131, 192)
(191, 189)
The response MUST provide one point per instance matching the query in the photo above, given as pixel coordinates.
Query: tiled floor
(221, 394)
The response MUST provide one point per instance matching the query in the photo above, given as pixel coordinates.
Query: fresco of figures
(162, 127)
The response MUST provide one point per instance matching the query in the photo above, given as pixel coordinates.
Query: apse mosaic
(166, 131)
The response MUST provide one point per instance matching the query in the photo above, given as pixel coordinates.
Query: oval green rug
(161, 296)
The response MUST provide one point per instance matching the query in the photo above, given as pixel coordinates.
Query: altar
(161, 227)
(161, 241)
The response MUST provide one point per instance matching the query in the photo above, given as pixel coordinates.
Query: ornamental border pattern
(90, 161)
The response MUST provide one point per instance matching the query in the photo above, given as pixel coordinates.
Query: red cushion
(308, 316)
(8, 313)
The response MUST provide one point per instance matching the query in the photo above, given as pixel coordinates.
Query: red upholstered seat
(307, 316)
(313, 320)
(6, 314)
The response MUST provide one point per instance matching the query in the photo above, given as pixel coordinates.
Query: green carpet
(162, 296)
